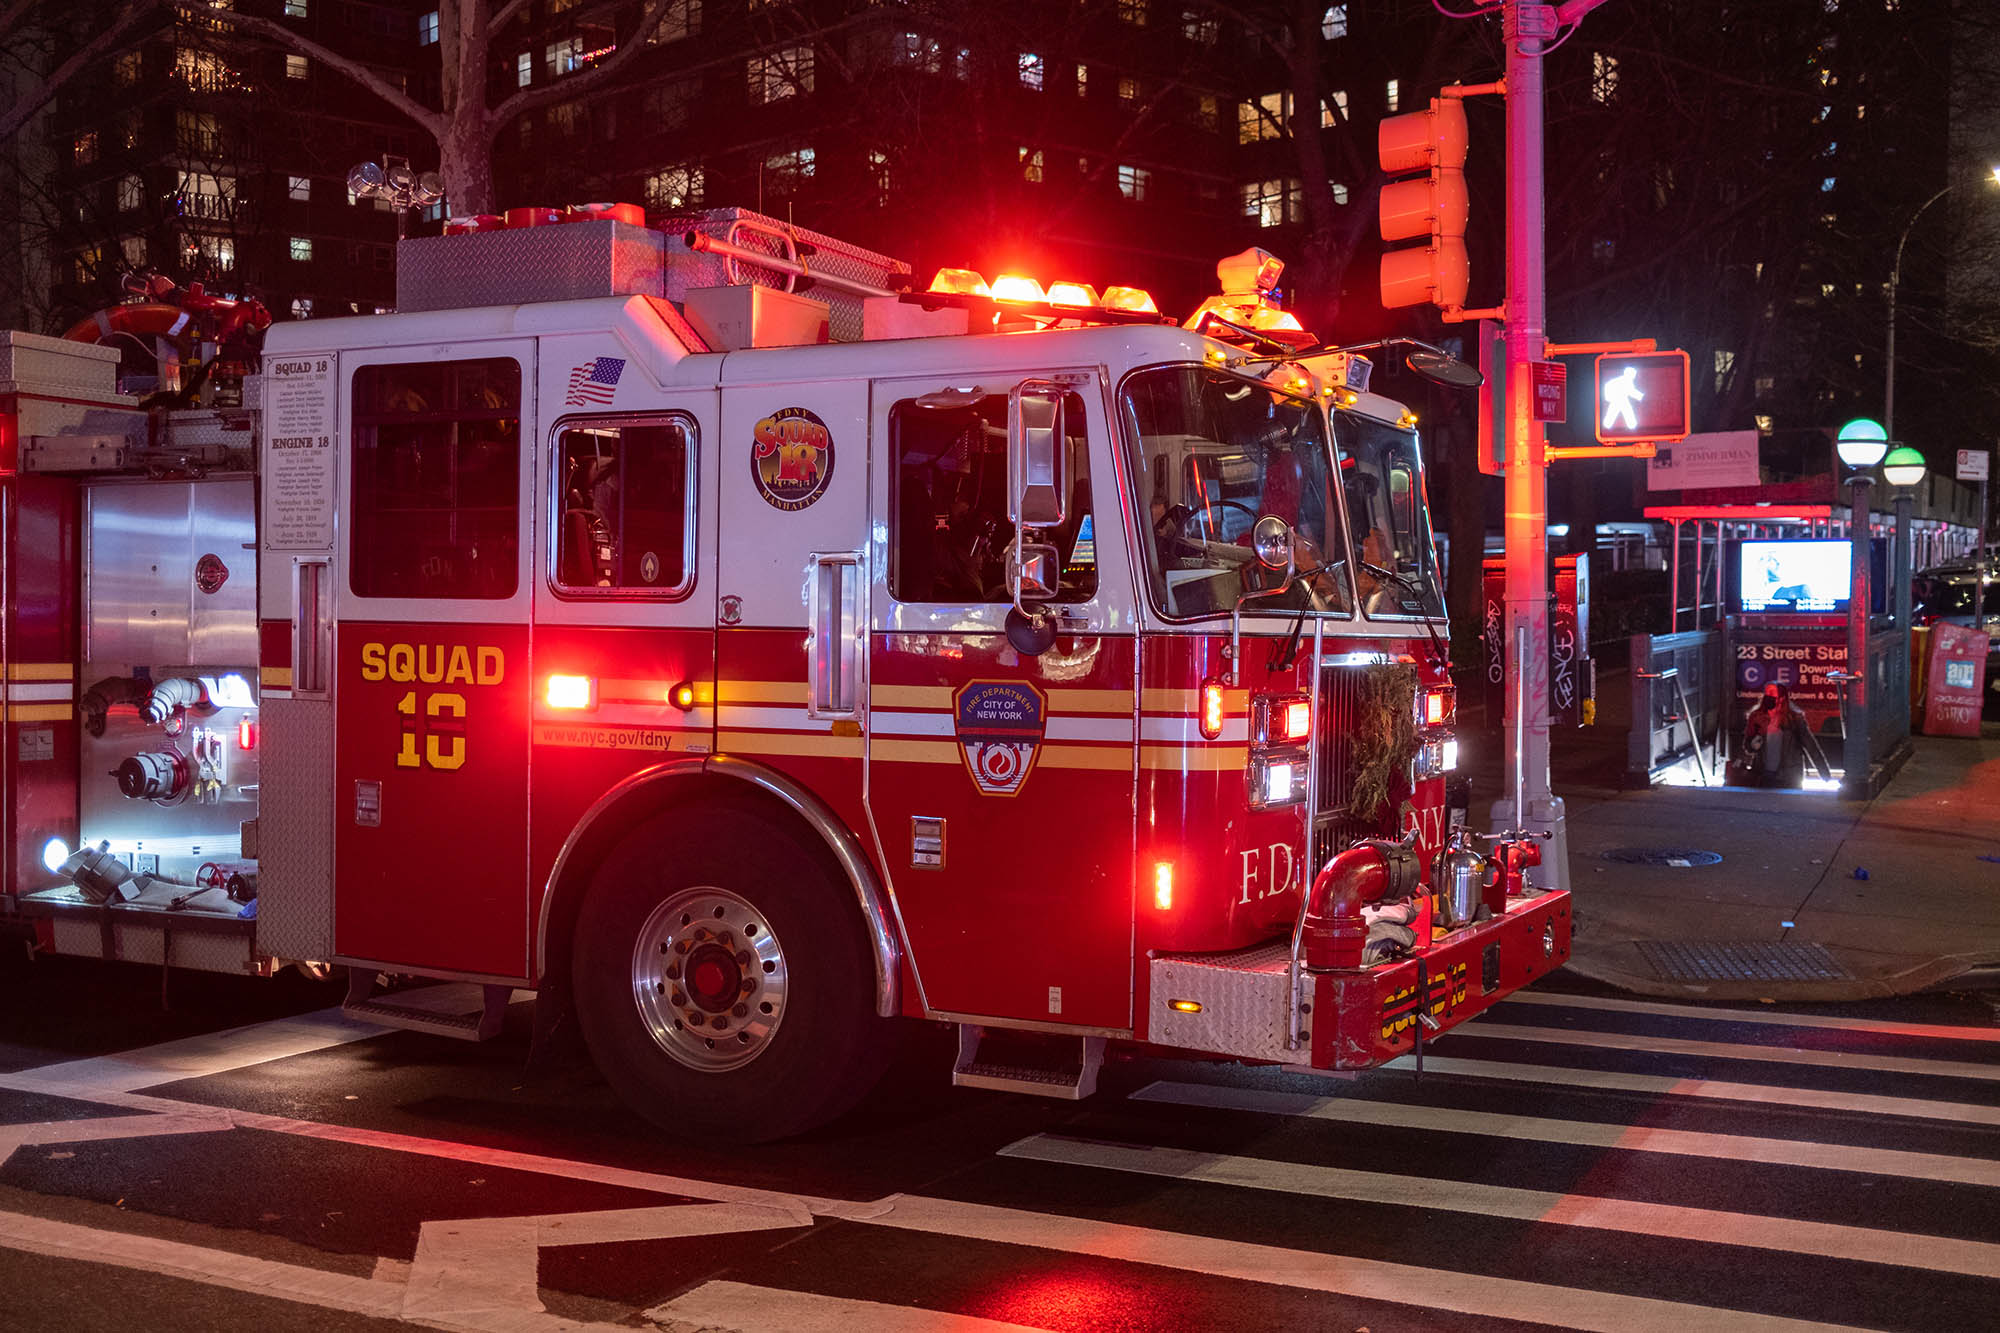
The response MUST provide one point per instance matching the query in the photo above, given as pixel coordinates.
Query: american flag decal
(593, 382)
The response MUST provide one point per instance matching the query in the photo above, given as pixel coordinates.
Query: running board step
(1039, 1065)
(458, 1009)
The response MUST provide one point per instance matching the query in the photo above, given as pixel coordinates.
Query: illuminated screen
(1796, 575)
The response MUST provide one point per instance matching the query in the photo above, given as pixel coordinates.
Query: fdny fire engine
(697, 626)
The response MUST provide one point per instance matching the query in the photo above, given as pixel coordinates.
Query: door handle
(312, 628)
(834, 636)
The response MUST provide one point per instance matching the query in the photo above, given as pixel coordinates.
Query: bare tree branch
(432, 121)
(39, 95)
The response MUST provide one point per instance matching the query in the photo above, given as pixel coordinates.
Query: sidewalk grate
(1662, 856)
(1722, 960)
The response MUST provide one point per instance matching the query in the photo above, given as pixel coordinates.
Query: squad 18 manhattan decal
(791, 458)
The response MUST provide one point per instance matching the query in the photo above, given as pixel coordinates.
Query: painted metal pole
(1528, 30)
(1854, 747)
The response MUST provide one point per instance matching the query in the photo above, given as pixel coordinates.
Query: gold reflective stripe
(910, 696)
(833, 747)
(1195, 759)
(761, 691)
(1234, 702)
(899, 751)
(278, 678)
(1090, 701)
(40, 671)
(1087, 756)
(40, 712)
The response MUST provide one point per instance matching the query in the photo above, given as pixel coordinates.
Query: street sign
(1642, 396)
(1551, 391)
(1973, 464)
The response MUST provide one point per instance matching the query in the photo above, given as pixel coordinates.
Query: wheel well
(607, 826)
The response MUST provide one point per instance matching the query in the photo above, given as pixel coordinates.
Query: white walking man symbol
(1619, 395)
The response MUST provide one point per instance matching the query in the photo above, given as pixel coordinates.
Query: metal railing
(1683, 686)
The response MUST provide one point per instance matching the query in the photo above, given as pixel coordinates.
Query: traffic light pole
(1529, 28)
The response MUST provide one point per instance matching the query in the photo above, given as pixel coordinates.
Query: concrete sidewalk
(1814, 898)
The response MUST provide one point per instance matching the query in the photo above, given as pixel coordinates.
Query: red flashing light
(1211, 709)
(1438, 707)
(1297, 722)
(960, 282)
(1163, 885)
(246, 733)
(1018, 287)
(1079, 294)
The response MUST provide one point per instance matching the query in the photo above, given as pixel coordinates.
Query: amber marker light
(681, 696)
(1018, 287)
(1136, 299)
(1211, 709)
(1079, 294)
(1438, 708)
(1163, 885)
(571, 692)
(1298, 720)
(1185, 1006)
(959, 282)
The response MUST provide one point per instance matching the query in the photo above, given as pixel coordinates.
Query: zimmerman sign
(1723, 458)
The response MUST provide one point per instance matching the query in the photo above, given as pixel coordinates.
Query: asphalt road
(249, 1158)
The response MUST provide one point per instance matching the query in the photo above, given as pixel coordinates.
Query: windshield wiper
(1422, 594)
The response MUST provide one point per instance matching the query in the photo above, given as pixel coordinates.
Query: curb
(1883, 980)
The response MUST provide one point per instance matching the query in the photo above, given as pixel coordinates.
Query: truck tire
(723, 978)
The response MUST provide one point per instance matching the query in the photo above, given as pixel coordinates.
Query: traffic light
(1642, 396)
(1434, 142)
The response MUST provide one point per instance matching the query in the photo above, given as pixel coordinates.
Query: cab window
(948, 527)
(437, 459)
(623, 512)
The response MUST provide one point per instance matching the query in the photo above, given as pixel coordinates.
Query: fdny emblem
(999, 725)
(210, 573)
(791, 458)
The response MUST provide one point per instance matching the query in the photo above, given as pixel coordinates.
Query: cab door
(431, 671)
(1000, 779)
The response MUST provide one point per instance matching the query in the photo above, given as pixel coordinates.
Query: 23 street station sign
(1642, 396)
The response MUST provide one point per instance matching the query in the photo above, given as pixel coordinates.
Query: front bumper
(1240, 1004)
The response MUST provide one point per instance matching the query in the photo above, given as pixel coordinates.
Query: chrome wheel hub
(708, 977)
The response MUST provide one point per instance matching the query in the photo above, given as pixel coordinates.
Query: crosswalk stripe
(1728, 1050)
(1816, 1098)
(1337, 1274)
(1584, 1133)
(1943, 1254)
(1765, 1016)
(741, 1308)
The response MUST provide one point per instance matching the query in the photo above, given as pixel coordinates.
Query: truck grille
(1339, 707)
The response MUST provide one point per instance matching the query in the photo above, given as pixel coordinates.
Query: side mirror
(1037, 454)
(1034, 572)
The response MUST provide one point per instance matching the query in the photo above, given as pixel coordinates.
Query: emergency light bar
(1019, 294)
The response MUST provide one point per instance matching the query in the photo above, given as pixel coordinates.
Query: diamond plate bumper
(1359, 1018)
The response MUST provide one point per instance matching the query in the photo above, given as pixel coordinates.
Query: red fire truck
(694, 626)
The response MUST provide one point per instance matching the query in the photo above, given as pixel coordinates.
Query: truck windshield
(1388, 519)
(1211, 454)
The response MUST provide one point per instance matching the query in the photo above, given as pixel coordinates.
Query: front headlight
(1277, 779)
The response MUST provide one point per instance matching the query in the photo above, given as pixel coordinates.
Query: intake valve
(153, 776)
(168, 695)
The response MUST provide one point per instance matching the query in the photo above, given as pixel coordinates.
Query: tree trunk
(465, 160)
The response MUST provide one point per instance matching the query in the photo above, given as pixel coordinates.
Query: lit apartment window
(83, 149)
(1272, 203)
(294, 9)
(302, 307)
(1208, 112)
(524, 69)
(678, 186)
(1603, 77)
(1333, 23)
(1134, 182)
(1264, 118)
(131, 193)
(790, 170)
(1826, 184)
(1392, 96)
(777, 75)
(1031, 71)
(1339, 191)
(563, 57)
(1133, 12)
(1128, 89)
(296, 67)
(127, 69)
(878, 175)
(302, 248)
(682, 19)
(427, 29)
(1031, 165)
(300, 187)
(1082, 81)
(134, 248)
(1334, 109)
(1201, 26)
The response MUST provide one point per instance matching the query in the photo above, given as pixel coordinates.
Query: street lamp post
(1903, 469)
(1861, 445)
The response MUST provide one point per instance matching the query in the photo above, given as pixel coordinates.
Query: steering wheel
(1179, 528)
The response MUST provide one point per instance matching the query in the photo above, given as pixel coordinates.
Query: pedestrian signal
(1642, 397)
(1435, 205)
